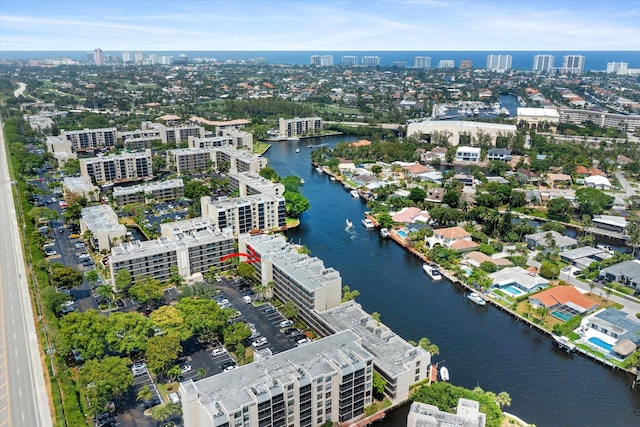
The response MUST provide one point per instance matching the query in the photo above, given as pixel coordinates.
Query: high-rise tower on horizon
(499, 62)
(422, 62)
(573, 64)
(349, 60)
(543, 63)
(370, 61)
(98, 56)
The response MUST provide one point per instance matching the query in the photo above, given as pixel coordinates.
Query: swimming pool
(513, 290)
(597, 341)
(562, 315)
(402, 234)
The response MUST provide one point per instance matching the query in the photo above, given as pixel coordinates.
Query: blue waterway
(522, 60)
(481, 346)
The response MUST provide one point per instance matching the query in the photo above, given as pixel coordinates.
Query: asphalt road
(23, 395)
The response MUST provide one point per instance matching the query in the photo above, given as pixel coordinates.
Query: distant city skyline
(143, 25)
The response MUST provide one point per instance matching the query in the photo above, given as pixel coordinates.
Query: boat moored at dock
(476, 298)
(432, 271)
(368, 223)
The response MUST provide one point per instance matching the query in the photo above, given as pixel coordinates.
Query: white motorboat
(349, 223)
(297, 150)
(368, 223)
(476, 298)
(384, 233)
(476, 111)
(444, 374)
(432, 271)
(355, 194)
(301, 181)
(564, 342)
(319, 169)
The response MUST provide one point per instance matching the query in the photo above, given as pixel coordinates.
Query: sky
(323, 25)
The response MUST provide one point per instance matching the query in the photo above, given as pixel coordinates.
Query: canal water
(481, 346)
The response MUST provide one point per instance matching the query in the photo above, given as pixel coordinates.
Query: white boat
(297, 150)
(333, 178)
(301, 181)
(504, 111)
(476, 111)
(384, 233)
(349, 223)
(367, 223)
(319, 169)
(432, 271)
(444, 374)
(476, 298)
(355, 194)
(564, 342)
(293, 138)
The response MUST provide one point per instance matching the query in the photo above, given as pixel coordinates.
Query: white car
(286, 323)
(139, 368)
(185, 369)
(303, 341)
(229, 368)
(218, 351)
(259, 342)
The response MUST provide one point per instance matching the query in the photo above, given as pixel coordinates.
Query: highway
(23, 395)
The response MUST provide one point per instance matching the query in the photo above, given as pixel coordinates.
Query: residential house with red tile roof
(563, 302)
(456, 238)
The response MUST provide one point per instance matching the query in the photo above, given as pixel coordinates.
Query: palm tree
(633, 231)
(503, 399)
(144, 393)
(107, 293)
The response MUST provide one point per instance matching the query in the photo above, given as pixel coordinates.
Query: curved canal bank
(481, 346)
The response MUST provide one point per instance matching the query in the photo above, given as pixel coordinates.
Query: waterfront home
(467, 414)
(415, 169)
(499, 154)
(584, 256)
(563, 302)
(456, 238)
(547, 194)
(626, 273)
(468, 154)
(616, 224)
(346, 165)
(435, 195)
(526, 176)
(558, 180)
(611, 332)
(516, 281)
(598, 181)
(438, 153)
(410, 215)
(540, 241)
(476, 258)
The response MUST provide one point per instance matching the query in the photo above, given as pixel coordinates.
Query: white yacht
(355, 194)
(444, 374)
(476, 298)
(384, 233)
(432, 271)
(349, 223)
(368, 223)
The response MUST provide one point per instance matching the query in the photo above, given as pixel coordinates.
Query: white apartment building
(259, 213)
(80, 186)
(162, 191)
(248, 183)
(445, 64)
(91, 139)
(467, 415)
(629, 122)
(61, 149)
(349, 61)
(468, 154)
(210, 141)
(573, 64)
(322, 60)
(543, 63)
(370, 61)
(398, 362)
(192, 160)
(422, 62)
(98, 57)
(194, 247)
(140, 138)
(103, 224)
(617, 67)
(326, 380)
(300, 126)
(297, 277)
(461, 132)
(499, 62)
(117, 167)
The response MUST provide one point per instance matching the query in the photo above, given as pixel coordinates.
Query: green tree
(426, 344)
(559, 209)
(633, 231)
(106, 293)
(295, 204)
(144, 393)
(246, 270)
(92, 277)
(376, 316)
(128, 332)
(83, 332)
(378, 385)
(170, 321)
(63, 276)
(503, 399)
(204, 318)
(549, 270)
(289, 310)
(235, 333)
(194, 189)
(123, 280)
(164, 412)
(592, 201)
(270, 174)
(103, 380)
(162, 351)
(417, 195)
(148, 292)
(348, 294)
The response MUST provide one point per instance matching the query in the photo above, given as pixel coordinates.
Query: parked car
(185, 369)
(219, 351)
(259, 342)
(139, 368)
(74, 236)
(303, 341)
(286, 323)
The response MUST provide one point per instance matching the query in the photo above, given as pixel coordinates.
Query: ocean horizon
(521, 60)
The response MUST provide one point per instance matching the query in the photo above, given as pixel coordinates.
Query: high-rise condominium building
(466, 64)
(573, 64)
(322, 60)
(98, 57)
(617, 67)
(543, 63)
(446, 63)
(422, 62)
(499, 62)
(370, 61)
(349, 61)
(126, 57)
(138, 57)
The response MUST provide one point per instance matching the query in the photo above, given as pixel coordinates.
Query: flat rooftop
(78, 184)
(246, 384)
(392, 353)
(151, 186)
(102, 217)
(308, 272)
